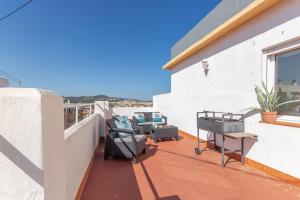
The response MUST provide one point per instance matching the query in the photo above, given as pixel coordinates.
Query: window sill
(283, 123)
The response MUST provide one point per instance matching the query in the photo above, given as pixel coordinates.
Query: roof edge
(252, 10)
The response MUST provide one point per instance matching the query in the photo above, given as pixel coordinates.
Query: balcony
(171, 170)
(40, 159)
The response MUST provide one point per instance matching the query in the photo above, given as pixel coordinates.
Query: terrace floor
(170, 170)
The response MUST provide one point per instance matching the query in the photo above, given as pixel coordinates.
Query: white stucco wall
(38, 159)
(81, 141)
(106, 112)
(102, 108)
(236, 65)
(31, 125)
(129, 111)
(161, 103)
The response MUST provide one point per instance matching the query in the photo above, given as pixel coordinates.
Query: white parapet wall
(31, 145)
(38, 159)
(81, 141)
(129, 111)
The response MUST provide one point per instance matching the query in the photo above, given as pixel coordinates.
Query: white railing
(74, 113)
(10, 77)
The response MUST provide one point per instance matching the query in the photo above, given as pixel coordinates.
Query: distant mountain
(92, 99)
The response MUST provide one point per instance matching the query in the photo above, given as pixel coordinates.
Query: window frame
(270, 70)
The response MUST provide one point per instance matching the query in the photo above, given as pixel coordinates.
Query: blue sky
(90, 47)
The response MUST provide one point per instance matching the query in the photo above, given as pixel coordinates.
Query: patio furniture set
(155, 124)
(127, 138)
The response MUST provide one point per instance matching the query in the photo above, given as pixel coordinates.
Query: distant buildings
(113, 101)
(130, 103)
(82, 111)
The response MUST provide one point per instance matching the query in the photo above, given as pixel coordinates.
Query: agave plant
(269, 100)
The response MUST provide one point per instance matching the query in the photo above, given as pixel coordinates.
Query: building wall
(161, 103)
(129, 111)
(38, 159)
(235, 66)
(222, 12)
(31, 145)
(80, 143)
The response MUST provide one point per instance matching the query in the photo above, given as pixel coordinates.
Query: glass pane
(288, 85)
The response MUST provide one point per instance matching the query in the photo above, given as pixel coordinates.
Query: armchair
(118, 145)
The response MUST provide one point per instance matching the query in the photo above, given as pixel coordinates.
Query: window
(288, 81)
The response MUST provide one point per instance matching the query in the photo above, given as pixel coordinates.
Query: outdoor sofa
(145, 120)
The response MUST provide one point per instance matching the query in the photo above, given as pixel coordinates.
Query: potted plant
(269, 102)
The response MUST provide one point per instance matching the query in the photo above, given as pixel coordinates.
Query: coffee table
(164, 131)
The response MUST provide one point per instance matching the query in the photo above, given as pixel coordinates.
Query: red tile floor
(170, 170)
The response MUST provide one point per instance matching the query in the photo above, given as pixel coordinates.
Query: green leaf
(268, 100)
(287, 102)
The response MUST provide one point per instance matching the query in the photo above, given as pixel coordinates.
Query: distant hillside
(92, 99)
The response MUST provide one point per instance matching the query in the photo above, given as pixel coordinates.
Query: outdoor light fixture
(205, 66)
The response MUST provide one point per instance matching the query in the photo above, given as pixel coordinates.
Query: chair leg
(106, 156)
(106, 150)
(133, 160)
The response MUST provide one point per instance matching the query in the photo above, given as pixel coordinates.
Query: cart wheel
(197, 151)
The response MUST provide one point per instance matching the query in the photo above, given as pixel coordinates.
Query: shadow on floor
(228, 160)
(170, 170)
(152, 186)
(114, 179)
(173, 197)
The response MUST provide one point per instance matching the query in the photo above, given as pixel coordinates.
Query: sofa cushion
(156, 117)
(123, 122)
(140, 117)
(145, 123)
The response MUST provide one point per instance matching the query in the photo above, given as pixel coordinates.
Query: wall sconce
(205, 66)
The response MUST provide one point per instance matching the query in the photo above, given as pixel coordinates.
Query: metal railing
(10, 77)
(74, 113)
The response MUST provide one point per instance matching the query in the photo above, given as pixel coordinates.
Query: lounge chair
(124, 142)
